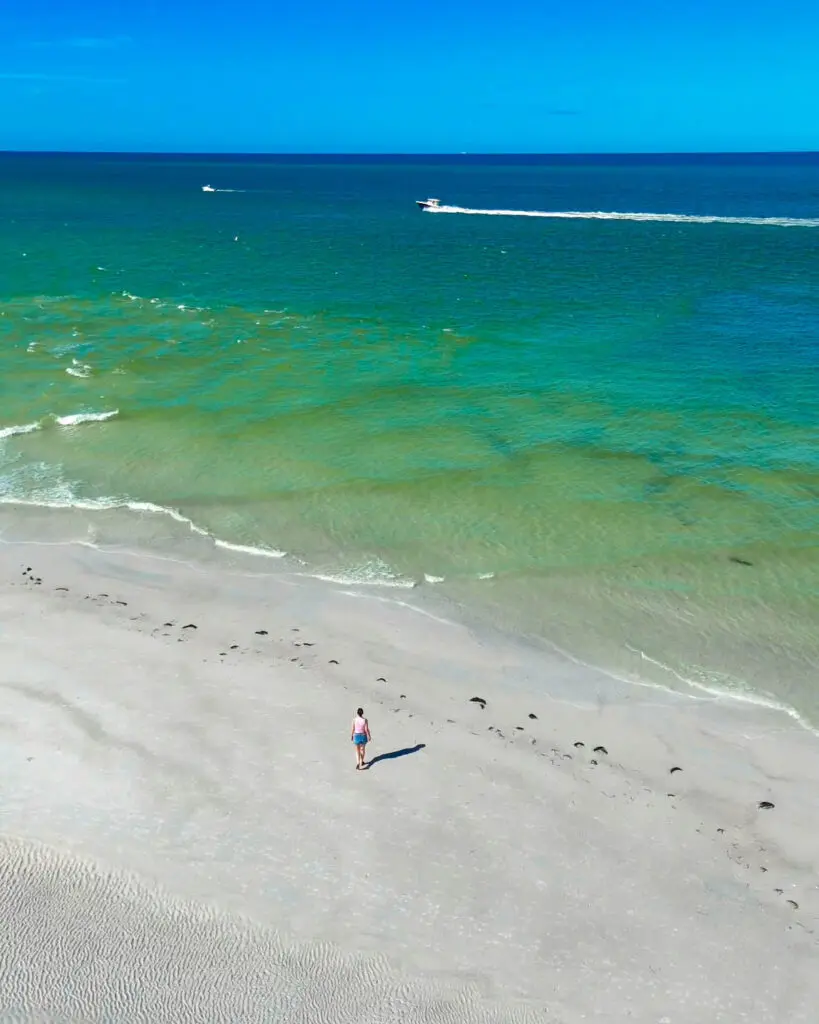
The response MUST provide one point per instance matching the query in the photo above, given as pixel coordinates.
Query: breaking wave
(74, 419)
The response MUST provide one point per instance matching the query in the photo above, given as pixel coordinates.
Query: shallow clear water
(572, 427)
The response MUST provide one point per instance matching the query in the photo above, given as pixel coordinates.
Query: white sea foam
(673, 218)
(724, 693)
(13, 431)
(374, 573)
(244, 549)
(60, 495)
(162, 510)
(75, 419)
(72, 420)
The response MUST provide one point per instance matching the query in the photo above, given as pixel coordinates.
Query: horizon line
(406, 153)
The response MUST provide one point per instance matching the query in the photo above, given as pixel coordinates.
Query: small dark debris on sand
(779, 891)
(794, 904)
(532, 714)
(403, 696)
(123, 603)
(579, 744)
(261, 632)
(381, 679)
(766, 805)
(62, 588)
(739, 561)
(190, 625)
(234, 647)
(519, 727)
(592, 761)
(676, 768)
(332, 661)
(721, 830)
(478, 700)
(170, 624)
(600, 750)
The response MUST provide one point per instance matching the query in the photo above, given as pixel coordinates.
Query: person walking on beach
(360, 737)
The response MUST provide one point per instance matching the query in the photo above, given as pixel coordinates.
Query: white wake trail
(674, 218)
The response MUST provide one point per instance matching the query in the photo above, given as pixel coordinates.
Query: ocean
(599, 433)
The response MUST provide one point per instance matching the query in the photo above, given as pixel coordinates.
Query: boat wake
(673, 218)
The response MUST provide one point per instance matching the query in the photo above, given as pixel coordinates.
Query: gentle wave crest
(25, 428)
(74, 419)
(673, 218)
(64, 498)
(760, 700)
(374, 573)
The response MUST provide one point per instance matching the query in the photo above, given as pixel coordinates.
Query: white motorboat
(208, 188)
(430, 205)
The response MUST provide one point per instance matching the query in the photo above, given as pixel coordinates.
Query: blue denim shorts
(359, 738)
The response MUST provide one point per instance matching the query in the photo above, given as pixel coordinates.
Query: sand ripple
(82, 944)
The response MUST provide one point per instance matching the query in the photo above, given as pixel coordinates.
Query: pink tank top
(360, 724)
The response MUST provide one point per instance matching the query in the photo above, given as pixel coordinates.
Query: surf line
(673, 218)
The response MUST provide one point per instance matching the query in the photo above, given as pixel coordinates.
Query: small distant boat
(208, 188)
(430, 205)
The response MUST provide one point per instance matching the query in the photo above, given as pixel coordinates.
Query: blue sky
(387, 76)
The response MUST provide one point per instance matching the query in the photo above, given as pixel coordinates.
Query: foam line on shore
(111, 504)
(719, 693)
(377, 574)
(673, 218)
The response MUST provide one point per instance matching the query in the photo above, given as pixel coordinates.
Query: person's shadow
(396, 753)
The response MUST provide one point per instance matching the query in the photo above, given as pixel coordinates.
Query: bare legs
(359, 750)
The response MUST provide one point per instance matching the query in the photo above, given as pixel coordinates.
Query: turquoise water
(580, 430)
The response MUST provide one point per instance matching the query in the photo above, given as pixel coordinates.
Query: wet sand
(184, 836)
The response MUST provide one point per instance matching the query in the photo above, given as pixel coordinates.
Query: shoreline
(447, 594)
(491, 859)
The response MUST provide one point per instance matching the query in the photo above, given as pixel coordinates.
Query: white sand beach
(184, 837)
